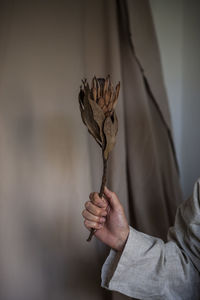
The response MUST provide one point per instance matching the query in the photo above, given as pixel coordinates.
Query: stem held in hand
(103, 183)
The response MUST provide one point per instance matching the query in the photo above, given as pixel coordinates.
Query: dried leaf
(110, 106)
(114, 102)
(111, 96)
(95, 82)
(117, 89)
(87, 117)
(92, 83)
(110, 130)
(106, 85)
(98, 116)
(98, 90)
(104, 108)
(101, 102)
(107, 97)
(94, 93)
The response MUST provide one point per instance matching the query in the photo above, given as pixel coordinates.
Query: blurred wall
(177, 25)
(44, 171)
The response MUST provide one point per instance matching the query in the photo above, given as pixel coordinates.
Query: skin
(107, 216)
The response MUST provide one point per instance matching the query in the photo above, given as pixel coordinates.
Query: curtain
(49, 163)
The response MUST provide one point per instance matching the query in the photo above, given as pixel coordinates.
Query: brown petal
(92, 128)
(107, 97)
(98, 116)
(101, 102)
(92, 83)
(110, 106)
(104, 108)
(106, 85)
(112, 96)
(81, 96)
(110, 131)
(94, 93)
(117, 90)
(115, 102)
(84, 81)
(87, 117)
(98, 90)
(111, 87)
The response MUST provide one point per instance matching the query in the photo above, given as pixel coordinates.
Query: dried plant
(97, 106)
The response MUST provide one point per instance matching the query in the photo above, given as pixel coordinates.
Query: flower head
(97, 105)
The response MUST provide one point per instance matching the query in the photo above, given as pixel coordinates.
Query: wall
(177, 25)
(44, 176)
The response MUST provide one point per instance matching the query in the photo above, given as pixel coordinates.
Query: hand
(107, 216)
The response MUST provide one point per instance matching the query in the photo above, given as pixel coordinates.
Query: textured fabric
(148, 268)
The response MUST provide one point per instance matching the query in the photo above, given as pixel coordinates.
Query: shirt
(148, 268)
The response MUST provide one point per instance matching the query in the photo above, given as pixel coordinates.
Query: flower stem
(103, 183)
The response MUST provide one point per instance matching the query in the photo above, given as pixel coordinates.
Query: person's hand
(107, 217)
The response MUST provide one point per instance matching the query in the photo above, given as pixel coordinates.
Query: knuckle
(87, 204)
(95, 201)
(84, 213)
(98, 219)
(91, 196)
(98, 212)
(94, 224)
(104, 201)
(87, 224)
(96, 197)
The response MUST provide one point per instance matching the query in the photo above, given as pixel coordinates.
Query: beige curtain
(48, 162)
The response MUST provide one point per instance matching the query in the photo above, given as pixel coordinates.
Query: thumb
(112, 198)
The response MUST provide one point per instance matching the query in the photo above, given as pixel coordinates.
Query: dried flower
(97, 105)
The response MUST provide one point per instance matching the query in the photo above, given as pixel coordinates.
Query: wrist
(122, 240)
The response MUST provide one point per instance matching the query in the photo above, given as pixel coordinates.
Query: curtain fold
(50, 164)
(154, 191)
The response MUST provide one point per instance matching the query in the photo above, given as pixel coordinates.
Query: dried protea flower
(97, 105)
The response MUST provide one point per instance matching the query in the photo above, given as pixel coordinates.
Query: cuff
(121, 271)
(116, 263)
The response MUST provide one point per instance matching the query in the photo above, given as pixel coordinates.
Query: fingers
(90, 217)
(94, 225)
(100, 202)
(92, 221)
(95, 210)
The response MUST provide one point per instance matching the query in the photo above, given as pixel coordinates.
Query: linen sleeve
(148, 268)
